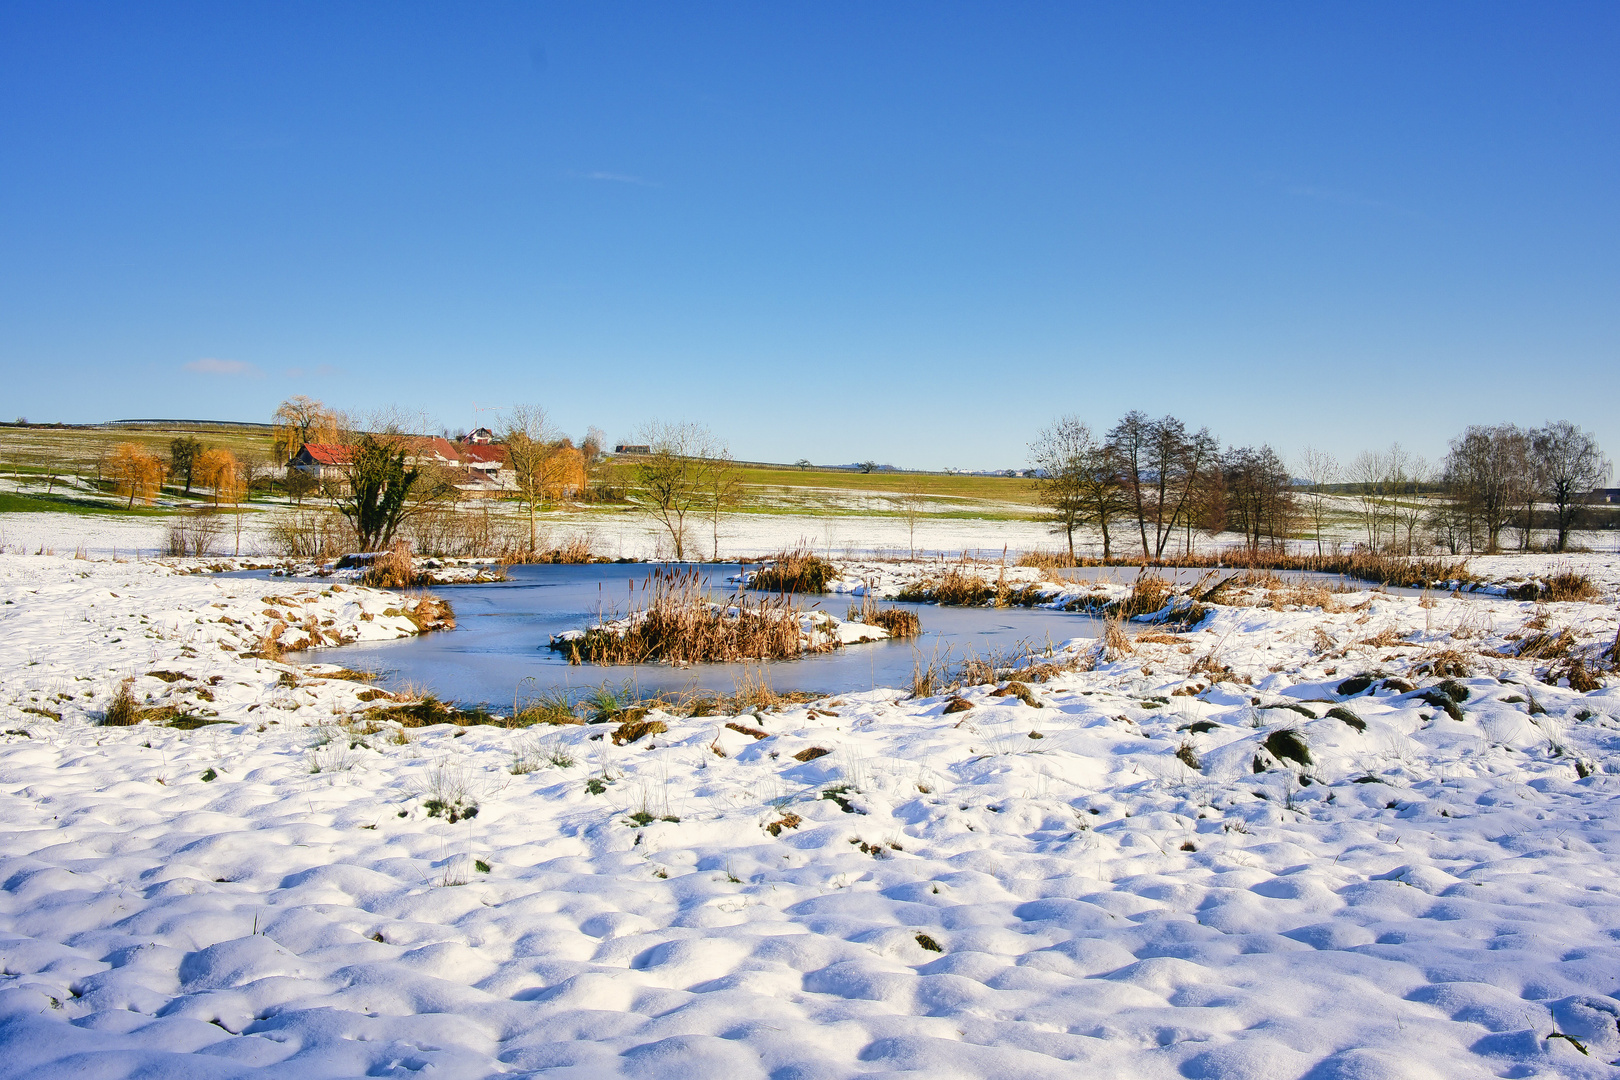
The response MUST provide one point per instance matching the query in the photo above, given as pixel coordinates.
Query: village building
(323, 461)
(473, 467)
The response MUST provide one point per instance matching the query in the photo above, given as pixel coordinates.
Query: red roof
(478, 453)
(329, 453)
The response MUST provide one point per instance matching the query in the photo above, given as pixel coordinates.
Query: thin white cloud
(209, 365)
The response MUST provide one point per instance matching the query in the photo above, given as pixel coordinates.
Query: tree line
(1157, 483)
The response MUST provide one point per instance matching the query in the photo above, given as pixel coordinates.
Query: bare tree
(1319, 469)
(1162, 468)
(1569, 466)
(532, 458)
(722, 487)
(673, 476)
(1077, 480)
(911, 500)
(1415, 474)
(1377, 477)
(1259, 495)
(1486, 472)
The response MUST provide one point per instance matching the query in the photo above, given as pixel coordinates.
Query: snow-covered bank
(72, 631)
(1364, 837)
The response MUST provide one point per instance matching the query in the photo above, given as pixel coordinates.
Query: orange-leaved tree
(136, 473)
(218, 469)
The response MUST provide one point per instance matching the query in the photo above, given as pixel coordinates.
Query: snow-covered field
(1142, 874)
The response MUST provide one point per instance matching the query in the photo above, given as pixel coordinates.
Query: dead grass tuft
(633, 730)
(123, 710)
(1445, 664)
(1547, 645)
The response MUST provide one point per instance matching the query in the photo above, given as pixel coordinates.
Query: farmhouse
(323, 461)
(473, 466)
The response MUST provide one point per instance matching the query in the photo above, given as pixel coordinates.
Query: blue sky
(911, 232)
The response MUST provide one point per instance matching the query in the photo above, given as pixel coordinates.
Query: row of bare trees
(1162, 482)
(1158, 479)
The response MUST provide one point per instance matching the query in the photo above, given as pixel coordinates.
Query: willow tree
(136, 473)
(300, 420)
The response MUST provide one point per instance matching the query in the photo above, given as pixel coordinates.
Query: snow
(283, 894)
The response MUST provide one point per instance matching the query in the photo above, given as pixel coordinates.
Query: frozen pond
(502, 632)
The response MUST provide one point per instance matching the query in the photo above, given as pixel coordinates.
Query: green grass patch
(12, 503)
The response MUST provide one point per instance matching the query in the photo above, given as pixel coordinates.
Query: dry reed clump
(1385, 568)
(1566, 585)
(1044, 559)
(1580, 676)
(956, 587)
(901, 623)
(393, 569)
(1386, 638)
(975, 672)
(575, 551)
(680, 625)
(1148, 594)
(798, 570)
(1116, 642)
(1303, 595)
